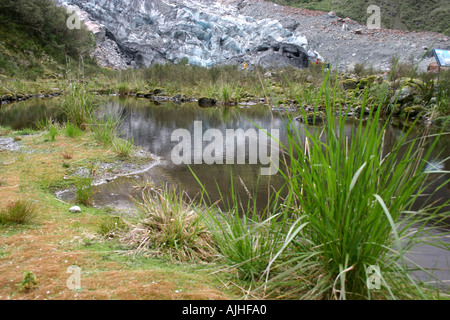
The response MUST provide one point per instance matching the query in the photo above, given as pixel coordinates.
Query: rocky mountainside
(138, 33)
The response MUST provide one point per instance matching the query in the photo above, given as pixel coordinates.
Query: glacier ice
(139, 33)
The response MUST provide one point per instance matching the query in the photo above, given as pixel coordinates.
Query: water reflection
(27, 114)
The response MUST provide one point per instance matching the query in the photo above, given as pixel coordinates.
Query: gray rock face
(139, 33)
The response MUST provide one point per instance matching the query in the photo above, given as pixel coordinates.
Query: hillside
(407, 15)
(35, 42)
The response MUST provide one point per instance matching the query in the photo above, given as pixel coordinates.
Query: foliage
(28, 283)
(47, 22)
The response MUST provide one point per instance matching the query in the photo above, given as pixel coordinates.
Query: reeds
(78, 105)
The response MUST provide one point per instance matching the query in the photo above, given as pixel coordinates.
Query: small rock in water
(206, 102)
(75, 209)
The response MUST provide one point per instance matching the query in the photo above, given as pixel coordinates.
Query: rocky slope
(138, 33)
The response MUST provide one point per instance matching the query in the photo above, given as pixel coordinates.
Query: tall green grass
(348, 205)
(84, 191)
(105, 130)
(78, 105)
(247, 237)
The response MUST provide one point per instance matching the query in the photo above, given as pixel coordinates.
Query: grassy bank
(403, 93)
(50, 238)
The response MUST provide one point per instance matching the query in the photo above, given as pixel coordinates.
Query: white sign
(442, 57)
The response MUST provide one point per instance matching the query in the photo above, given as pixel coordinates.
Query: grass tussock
(169, 226)
(78, 105)
(84, 191)
(112, 227)
(19, 212)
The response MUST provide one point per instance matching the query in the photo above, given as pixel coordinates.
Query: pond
(152, 125)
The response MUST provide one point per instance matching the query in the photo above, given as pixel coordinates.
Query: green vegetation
(84, 191)
(411, 15)
(123, 147)
(348, 206)
(18, 212)
(72, 131)
(36, 42)
(28, 283)
(111, 227)
(78, 106)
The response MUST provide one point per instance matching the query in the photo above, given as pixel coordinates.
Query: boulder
(403, 95)
(350, 84)
(413, 111)
(75, 209)
(206, 102)
(313, 118)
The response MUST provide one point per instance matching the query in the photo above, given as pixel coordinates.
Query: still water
(152, 125)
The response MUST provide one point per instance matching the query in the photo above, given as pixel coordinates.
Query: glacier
(140, 33)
